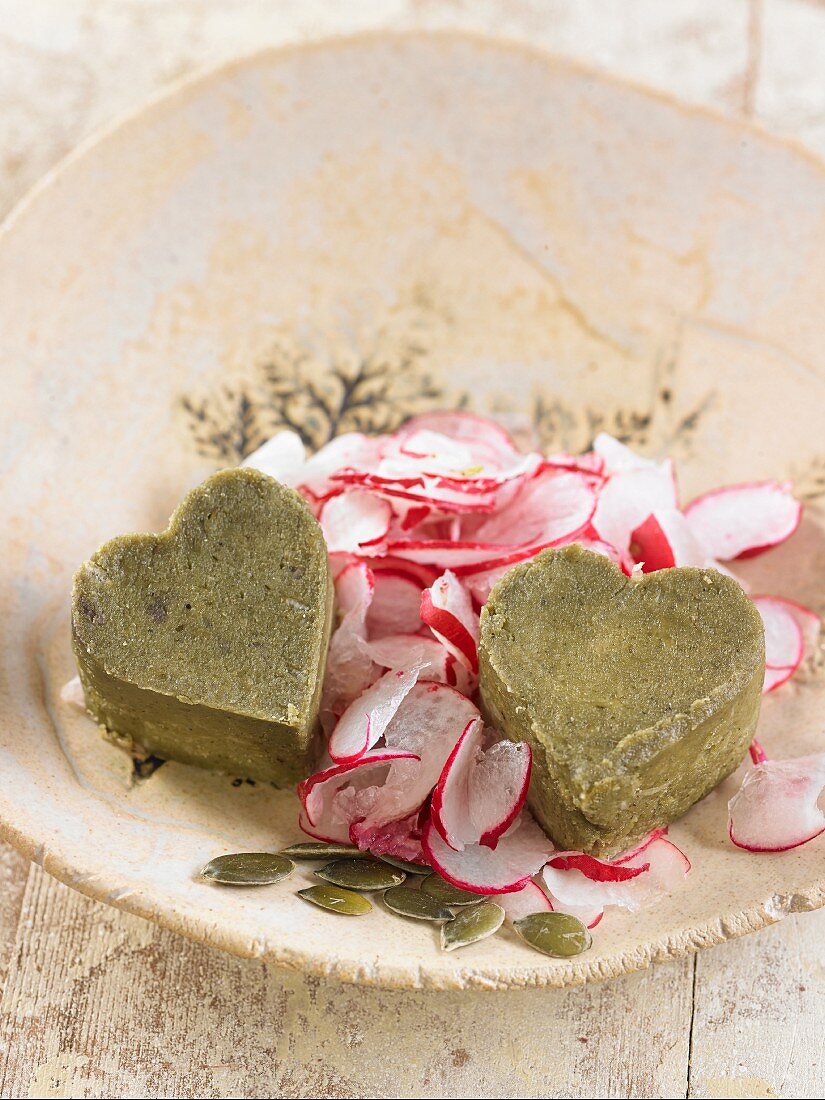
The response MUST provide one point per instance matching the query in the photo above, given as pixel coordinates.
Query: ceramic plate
(406, 223)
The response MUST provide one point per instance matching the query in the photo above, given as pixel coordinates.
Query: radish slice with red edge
(349, 670)
(451, 802)
(589, 915)
(365, 720)
(778, 805)
(317, 792)
(549, 507)
(664, 540)
(524, 902)
(740, 521)
(351, 448)
(597, 870)
(401, 839)
(628, 497)
(447, 610)
(480, 431)
(354, 521)
(784, 641)
(659, 867)
(396, 605)
(428, 723)
(509, 866)
(498, 789)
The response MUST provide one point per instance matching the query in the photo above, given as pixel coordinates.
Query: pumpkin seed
(336, 900)
(405, 865)
(361, 874)
(558, 934)
(415, 904)
(471, 925)
(445, 892)
(248, 869)
(319, 850)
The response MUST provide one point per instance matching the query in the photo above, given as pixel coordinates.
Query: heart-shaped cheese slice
(637, 696)
(206, 643)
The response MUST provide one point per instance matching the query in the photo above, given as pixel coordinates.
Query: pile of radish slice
(420, 524)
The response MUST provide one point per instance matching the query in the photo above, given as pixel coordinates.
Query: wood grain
(759, 1013)
(104, 1004)
(14, 871)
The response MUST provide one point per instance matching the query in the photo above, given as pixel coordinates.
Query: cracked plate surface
(332, 237)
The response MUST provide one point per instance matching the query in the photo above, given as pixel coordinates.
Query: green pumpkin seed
(248, 869)
(445, 892)
(558, 934)
(405, 865)
(415, 904)
(317, 850)
(336, 900)
(361, 874)
(471, 925)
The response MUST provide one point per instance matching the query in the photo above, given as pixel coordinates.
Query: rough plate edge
(677, 945)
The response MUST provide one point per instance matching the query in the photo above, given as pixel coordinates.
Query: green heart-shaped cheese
(207, 643)
(637, 696)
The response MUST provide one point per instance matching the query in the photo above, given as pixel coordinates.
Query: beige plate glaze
(331, 237)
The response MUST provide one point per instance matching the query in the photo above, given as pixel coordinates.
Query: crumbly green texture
(637, 696)
(206, 643)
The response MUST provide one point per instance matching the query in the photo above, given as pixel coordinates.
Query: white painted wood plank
(100, 1004)
(14, 871)
(759, 1014)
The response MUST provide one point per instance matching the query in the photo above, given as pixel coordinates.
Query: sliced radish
(350, 449)
(498, 789)
(778, 805)
(524, 902)
(406, 650)
(401, 839)
(419, 491)
(451, 802)
(479, 793)
(365, 720)
(282, 457)
(659, 868)
(741, 521)
(448, 611)
(422, 575)
(757, 753)
(479, 431)
(597, 870)
(775, 678)
(318, 792)
(349, 670)
(784, 640)
(589, 915)
(616, 456)
(72, 693)
(628, 498)
(663, 540)
(428, 723)
(588, 463)
(507, 867)
(395, 605)
(354, 521)
(549, 507)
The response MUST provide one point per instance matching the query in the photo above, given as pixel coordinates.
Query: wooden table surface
(96, 1003)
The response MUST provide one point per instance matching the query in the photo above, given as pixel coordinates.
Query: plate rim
(30, 844)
